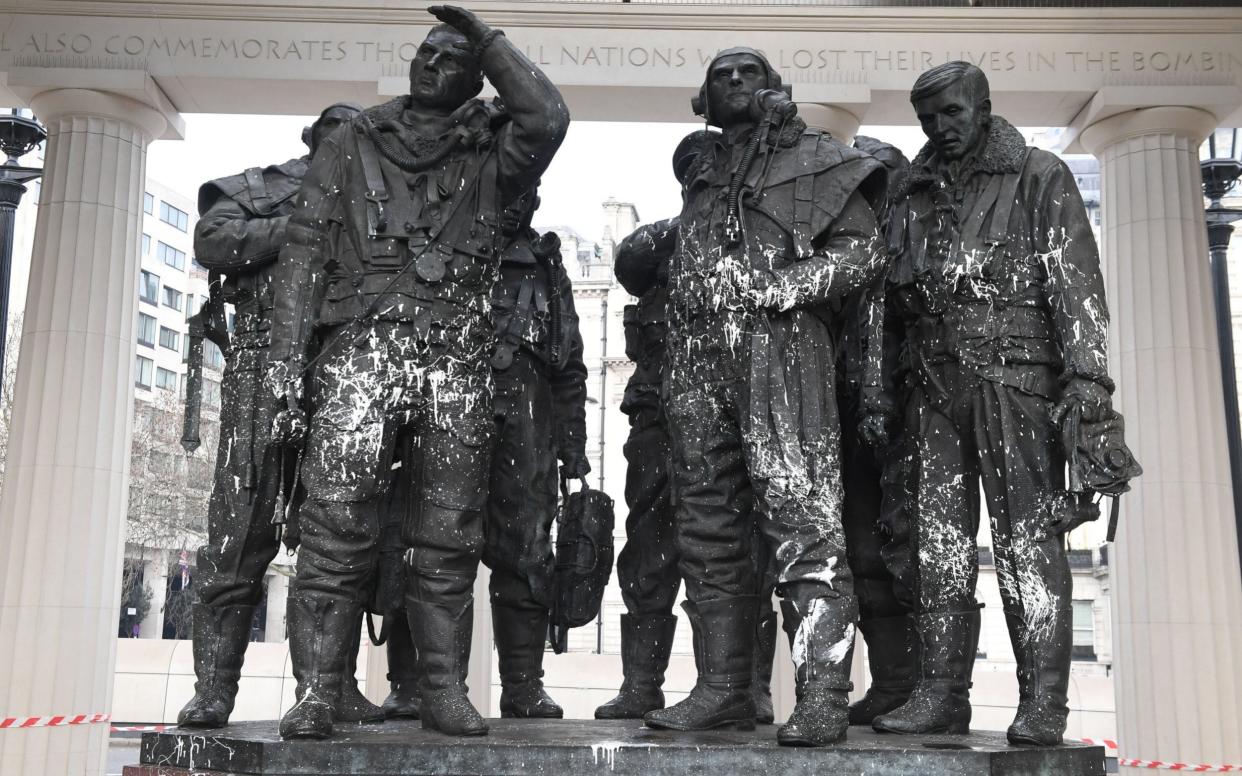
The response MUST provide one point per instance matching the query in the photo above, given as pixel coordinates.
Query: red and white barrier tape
(1160, 765)
(141, 728)
(58, 721)
(1183, 767)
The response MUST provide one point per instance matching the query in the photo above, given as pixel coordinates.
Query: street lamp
(1221, 166)
(18, 137)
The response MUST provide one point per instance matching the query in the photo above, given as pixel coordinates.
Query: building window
(172, 298)
(170, 256)
(142, 375)
(165, 379)
(146, 330)
(1084, 631)
(146, 245)
(148, 287)
(148, 203)
(211, 392)
(212, 356)
(170, 338)
(178, 219)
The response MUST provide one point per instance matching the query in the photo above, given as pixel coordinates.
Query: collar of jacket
(1003, 151)
(282, 182)
(472, 111)
(716, 147)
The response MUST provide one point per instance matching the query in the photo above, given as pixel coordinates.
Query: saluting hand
(461, 20)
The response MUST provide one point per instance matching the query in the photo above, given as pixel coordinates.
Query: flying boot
(353, 706)
(940, 702)
(322, 633)
(1043, 680)
(405, 698)
(821, 640)
(220, 638)
(761, 676)
(893, 656)
(520, 635)
(646, 643)
(724, 638)
(441, 636)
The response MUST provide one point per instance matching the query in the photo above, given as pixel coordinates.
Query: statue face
(955, 120)
(327, 124)
(732, 82)
(445, 72)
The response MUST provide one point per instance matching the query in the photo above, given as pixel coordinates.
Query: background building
(170, 487)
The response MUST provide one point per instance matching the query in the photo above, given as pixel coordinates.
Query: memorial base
(565, 747)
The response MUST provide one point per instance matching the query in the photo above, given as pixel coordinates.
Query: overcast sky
(629, 161)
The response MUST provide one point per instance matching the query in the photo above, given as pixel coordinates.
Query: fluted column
(277, 607)
(67, 475)
(841, 123)
(1177, 592)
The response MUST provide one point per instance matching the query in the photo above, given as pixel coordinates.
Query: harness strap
(998, 233)
(257, 188)
(376, 193)
(804, 190)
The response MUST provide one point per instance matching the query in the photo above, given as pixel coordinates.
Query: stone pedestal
(1177, 592)
(66, 479)
(616, 748)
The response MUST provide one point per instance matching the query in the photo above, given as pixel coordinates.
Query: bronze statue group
(834, 349)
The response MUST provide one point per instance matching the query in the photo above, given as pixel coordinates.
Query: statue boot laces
(322, 633)
(441, 636)
(405, 698)
(220, 638)
(646, 643)
(821, 639)
(1043, 680)
(892, 651)
(940, 702)
(761, 675)
(724, 638)
(352, 705)
(520, 636)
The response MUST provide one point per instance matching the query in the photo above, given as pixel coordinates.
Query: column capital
(131, 96)
(58, 103)
(1182, 121)
(843, 124)
(1134, 102)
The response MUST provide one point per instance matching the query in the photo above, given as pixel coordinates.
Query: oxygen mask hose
(733, 221)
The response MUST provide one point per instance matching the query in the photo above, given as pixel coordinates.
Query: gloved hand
(284, 378)
(461, 20)
(289, 427)
(575, 466)
(1094, 399)
(874, 429)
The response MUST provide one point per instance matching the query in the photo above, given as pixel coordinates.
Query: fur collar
(1003, 152)
(473, 112)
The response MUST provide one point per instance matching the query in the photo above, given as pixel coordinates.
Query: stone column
(841, 123)
(277, 603)
(155, 575)
(482, 664)
(67, 475)
(1177, 591)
